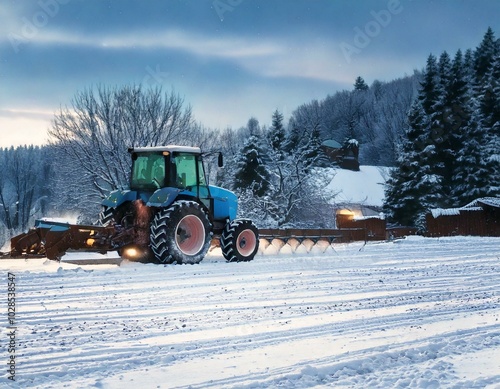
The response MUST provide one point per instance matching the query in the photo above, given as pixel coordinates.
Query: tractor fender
(163, 197)
(225, 203)
(118, 197)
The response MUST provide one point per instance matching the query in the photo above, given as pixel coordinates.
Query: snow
(413, 313)
(437, 212)
(491, 201)
(365, 186)
(473, 206)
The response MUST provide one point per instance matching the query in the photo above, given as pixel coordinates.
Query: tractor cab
(175, 167)
(170, 166)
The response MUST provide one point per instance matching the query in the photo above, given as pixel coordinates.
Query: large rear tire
(181, 233)
(239, 241)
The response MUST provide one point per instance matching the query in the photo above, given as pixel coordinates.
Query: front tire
(123, 215)
(107, 216)
(239, 241)
(181, 233)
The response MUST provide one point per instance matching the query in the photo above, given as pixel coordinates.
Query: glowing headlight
(131, 252)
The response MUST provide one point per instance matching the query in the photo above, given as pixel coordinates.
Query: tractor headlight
(132, 253)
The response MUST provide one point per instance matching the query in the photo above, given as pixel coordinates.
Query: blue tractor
(169, 214)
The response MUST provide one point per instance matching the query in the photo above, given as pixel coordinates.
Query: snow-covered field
(415, 313)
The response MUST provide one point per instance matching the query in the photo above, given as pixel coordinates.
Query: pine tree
(472, 176)
(489, 102)
(360, 84)
(441, 114)
(293, 139)
(311, 151)
(484, 55)
(452, 115)
(458, 99)
(277, 135)
(251, 172)
(468, 67)
(477, 163)
(414, 186)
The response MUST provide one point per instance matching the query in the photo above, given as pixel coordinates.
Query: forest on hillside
(438, 128)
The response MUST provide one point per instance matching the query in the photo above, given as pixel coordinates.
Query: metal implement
(52, 239)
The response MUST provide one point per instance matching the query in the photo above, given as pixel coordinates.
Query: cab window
(148, 171)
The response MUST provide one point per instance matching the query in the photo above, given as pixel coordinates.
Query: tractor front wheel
(181, 233)
(239, 241)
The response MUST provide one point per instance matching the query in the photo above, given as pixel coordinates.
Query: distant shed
(346, 156)
(478, 218)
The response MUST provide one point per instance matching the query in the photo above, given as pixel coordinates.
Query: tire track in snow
(107, 322)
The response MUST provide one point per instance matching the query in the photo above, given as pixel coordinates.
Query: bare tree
(93, 135)
(21, 185)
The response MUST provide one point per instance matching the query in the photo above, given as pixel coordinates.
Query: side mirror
(220, 160)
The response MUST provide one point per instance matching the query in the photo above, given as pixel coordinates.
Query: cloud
(21, 130)
(32, 114)
(265, 57)
(202, 45)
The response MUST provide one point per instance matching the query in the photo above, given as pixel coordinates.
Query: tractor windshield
(191, 175)
(148, 171)
(187, 171)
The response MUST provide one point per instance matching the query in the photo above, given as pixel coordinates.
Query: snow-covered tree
(277, 135)
(450, 156)
(472, 175)
(250, 168)
(92, 136)
(415, 185)
(24, 186)
(293, 137)
(489, 107)
(297, 195)
(484, 55)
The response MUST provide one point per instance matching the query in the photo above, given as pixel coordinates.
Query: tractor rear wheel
(239, 241)
(181, 233)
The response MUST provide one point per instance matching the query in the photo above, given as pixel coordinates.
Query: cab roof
(170, 148)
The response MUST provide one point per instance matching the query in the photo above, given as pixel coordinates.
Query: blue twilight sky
(229, 59)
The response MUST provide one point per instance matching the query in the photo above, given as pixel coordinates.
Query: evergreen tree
(253, 127)
(489, 102)
(468, 67)
(311, 151)
(360, 84)
(450, 155)
(277, 135)
(472, 176)
(292, 139)
(484, 55)
(452, 114)
(251, 171)
(458, 99)
(414, 185)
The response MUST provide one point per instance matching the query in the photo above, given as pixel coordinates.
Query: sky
(230, 60)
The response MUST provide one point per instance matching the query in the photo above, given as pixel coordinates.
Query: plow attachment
(288, 241)
(301, 241)
(53, 239)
